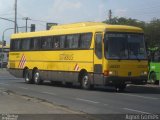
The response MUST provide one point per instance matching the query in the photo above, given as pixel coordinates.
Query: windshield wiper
(119, 58)
(137, 57)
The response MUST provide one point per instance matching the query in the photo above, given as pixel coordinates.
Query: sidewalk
(15, 107)
(4, 72)
(15, 104)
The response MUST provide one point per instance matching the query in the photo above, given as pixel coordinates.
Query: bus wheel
(120, 88)
(152, 78)
(68, 84)
(157, 82)
(36, 77)
(27, 77)
(85, 83)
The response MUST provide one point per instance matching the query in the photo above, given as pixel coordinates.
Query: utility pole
(2, 54)
(26, 19)
(15, 24)
(4, 40)
(110, 16)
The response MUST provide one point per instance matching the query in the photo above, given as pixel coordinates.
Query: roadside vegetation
(151, 29)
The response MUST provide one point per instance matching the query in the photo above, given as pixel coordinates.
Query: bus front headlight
(144, 73)
(113, 73)
(110, 73)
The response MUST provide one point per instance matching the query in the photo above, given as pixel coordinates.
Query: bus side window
(157, 56)
(35, 43)
(12, 45)
(85, 40)
(50, 42)
(62, 42)
(46, 43)
(72, 41)
(67, 45)
(16, 45)
(69, 41)
(56, 42)
(25, 44)
(98, 45)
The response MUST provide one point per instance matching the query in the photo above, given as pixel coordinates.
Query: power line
(34, 19)
(6, 14)
(39, 21)
(6, 19)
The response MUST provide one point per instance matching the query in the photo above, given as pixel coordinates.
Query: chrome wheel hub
(36, 77)
(85, 79)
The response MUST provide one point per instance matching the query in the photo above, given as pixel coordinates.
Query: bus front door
(98, 67)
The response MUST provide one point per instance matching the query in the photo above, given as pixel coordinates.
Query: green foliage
(151, 29)
(125, 21)
(152, 33)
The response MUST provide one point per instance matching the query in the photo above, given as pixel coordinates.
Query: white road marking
(87, 100)
(136, 111)
(4, 84)
(49, 93)
(24, 88)
(105, 104)
(144, 97)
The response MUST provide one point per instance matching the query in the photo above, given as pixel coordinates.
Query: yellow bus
(88, 53)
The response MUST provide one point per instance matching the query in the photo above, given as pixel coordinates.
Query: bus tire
(152, 78)
(157, 82)
(120, 88)
(36, 78)
(27, 77)
(68, 84)
(52, 82)
(85, 82)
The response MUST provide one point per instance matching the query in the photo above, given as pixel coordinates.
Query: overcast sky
(69, 11)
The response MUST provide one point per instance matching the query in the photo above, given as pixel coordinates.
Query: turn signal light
(106, 73)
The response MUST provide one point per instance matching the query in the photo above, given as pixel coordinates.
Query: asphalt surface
(135, 99)
(15, 104)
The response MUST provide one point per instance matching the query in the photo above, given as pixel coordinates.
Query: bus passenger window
(47, 43)
(62, 41)
(15, 45)
(12, 45)
(35, 43)
(98, 45)
(85, 41)
(56, 42)
(73, 41)
(44, 43)
(25, 45)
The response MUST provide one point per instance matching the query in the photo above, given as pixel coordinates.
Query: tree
(151, 29)
(152, 33)
(126, 21)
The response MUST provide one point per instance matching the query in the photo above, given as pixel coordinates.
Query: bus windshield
(154, 54)
(125, 46)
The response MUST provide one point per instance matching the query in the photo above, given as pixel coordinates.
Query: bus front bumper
(113, 80)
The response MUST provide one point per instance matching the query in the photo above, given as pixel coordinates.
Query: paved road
(136, 99)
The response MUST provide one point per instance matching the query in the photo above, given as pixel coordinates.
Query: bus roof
(95, 24)
(78, 28)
